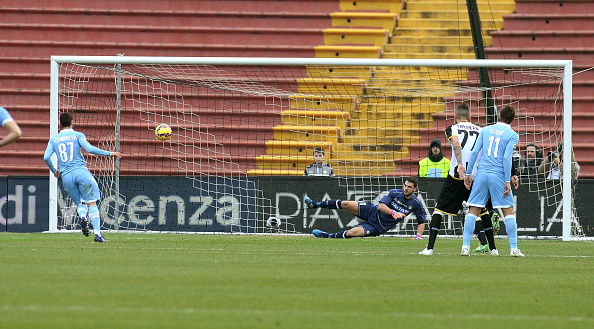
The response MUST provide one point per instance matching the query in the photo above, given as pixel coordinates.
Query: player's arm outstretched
(389, 211)
(95, 150)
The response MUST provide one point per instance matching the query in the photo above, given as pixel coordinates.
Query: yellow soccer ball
(163, 132)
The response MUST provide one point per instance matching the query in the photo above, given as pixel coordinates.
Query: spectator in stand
(319, 167)
(435, 165)
(552, 165)
(532, 159)
(14, 131)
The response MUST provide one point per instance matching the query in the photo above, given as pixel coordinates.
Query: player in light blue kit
(76, 178)
(377, 219)
(14, 131)
(495, 146)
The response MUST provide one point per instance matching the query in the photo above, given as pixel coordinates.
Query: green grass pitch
(238, 281)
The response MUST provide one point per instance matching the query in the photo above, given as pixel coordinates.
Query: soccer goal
(244, 129)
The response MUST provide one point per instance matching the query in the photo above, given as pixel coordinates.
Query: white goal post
(330, 108)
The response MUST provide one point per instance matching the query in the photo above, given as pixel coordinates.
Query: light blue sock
(94, 217)
(511, 227)
(468, 229)
(82, 211)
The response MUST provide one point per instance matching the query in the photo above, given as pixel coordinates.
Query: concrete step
(385, 21)
(483, 6)
(578, 55)
(532, 118)
(297, 148)
(170, 18)
(429, 48)
(329, 134)
(42, 80)
(323, 102)
(437, 32)
(549, 22)
(436, 5)
(315, 118)
(347, 51)
(163, 35)
(280, 162)
(389, 6)
(227, 5)
(546, 39)
(437, 40)
(428, 55)
(447, 23)
(275, 172)
(26, 48)
(554, 6)
(363, 37)
(441, 14)
(350, 72)
(327, 86)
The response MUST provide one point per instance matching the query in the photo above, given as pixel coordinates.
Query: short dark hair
(412, 179)
(320, 150)
(462, 111)
(507, 114)
(65, 119)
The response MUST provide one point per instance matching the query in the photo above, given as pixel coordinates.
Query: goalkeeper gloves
(396, 215)
(418, 237)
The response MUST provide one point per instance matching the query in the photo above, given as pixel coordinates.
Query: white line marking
(163, 310)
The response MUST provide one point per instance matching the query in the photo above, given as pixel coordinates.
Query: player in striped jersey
(462, 135)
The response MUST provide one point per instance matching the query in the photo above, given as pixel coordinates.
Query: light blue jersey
(495, 146)
(67, 145)
(4, 116)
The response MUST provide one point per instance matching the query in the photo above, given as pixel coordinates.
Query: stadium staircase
(436, 29)
(542, 29)
(359, 30)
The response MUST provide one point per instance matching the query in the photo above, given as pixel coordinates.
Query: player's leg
(506, 203)
(480, 234)
(477, 200)
(351, 206)
(363, 210)
(488, 228)
(356, 232)
(450, 200)
(511, 227)
(69, 183)
(89, 195)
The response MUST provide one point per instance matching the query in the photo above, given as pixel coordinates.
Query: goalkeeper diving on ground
(380, 218)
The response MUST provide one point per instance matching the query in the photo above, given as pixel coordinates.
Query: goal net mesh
(236, 125)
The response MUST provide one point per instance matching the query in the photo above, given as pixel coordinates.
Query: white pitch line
(275, 312)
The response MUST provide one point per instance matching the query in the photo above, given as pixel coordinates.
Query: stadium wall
(24, 204)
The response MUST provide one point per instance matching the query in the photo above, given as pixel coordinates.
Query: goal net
(245, 129)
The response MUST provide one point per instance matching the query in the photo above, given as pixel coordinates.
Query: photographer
(533, 159)
(552, 165)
